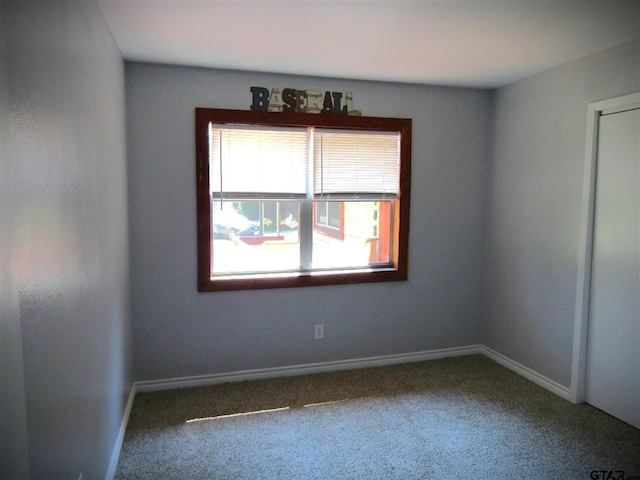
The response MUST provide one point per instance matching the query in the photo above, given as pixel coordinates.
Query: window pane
(321, 214)
(335, 215)
(351, 234)
(254, 236)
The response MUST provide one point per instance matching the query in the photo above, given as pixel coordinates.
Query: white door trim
(585, 241)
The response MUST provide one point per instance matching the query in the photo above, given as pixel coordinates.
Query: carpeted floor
(463, 417)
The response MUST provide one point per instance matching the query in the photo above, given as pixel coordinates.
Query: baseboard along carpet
(460, 417)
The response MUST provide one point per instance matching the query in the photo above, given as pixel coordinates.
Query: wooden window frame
(398, 271)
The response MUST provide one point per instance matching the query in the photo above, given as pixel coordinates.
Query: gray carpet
(464, 417)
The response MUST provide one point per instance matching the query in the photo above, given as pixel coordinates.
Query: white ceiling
(477, 43)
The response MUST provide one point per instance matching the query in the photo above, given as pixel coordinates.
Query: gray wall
(534, 206)
(64, 281)
(180, 332)
(14, 459)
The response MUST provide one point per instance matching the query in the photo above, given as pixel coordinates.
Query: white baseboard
(262, 373)
(527, 373)
(293, 370)
(115, 455)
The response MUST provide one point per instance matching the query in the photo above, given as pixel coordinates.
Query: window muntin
(381, 244)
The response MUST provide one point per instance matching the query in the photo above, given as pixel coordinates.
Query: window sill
(300, 279)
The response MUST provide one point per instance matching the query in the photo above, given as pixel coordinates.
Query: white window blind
(355, 164)
(273, 162)
(257, 162)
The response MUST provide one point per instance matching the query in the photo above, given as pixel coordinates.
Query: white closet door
(613, 349)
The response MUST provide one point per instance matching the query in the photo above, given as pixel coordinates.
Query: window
(329, 218)
(296, 199)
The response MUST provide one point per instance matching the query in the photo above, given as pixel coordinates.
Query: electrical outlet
(318, 331)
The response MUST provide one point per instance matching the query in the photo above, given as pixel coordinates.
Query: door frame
(585, 242)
